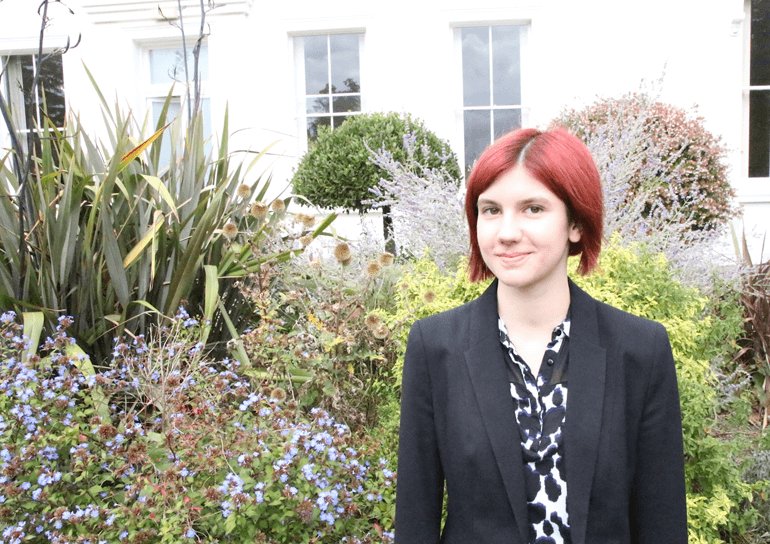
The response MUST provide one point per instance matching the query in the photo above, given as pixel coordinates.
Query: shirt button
(550, 362)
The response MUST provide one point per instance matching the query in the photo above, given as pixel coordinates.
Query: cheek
(483, 235)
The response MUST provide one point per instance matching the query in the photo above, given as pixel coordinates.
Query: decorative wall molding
(144, 12)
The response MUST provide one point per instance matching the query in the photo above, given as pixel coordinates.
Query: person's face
(523, 232)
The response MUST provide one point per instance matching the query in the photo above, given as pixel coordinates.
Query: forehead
(518, 184)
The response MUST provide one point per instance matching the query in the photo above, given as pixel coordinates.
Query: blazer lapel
(587, 370)
(486, 365)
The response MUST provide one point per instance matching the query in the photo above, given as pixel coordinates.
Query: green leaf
(159, 186)
(33, 327)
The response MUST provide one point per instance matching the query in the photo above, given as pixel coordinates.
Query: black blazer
(622, 436)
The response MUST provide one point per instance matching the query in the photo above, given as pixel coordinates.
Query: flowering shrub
(673, 162)
(426, 206)
(90, 457)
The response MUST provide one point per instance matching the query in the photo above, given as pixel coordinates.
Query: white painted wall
(576, 51)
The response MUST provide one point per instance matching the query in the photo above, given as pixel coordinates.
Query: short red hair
(561, 162)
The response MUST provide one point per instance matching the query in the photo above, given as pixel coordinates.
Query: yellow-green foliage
(643, 284)
(425, 290)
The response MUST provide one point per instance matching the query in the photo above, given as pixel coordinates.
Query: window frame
(747, 89)
(525, 26)
(151, 93)
(301, 97)
(15, 100)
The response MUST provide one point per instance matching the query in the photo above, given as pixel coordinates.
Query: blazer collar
(585, 401)
(485, 360)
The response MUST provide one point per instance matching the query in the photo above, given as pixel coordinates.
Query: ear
(575, 232)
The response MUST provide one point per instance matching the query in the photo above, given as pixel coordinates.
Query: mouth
(511, 257)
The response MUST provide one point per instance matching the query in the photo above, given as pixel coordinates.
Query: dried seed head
(278, 394)
(244, 191)
(429, 297)
(373, 268)
(386, 259)
(305, 220)
(230, 230)
(381, 332)
(259, 210)
(306, 240)
(342, 252)
(346, 262)
(278, 205)
(373, 321)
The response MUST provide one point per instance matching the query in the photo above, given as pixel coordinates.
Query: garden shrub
(635, 280)
(317, 338)
(675, 160)
(170, 447)
(337, 171)
(426, 207)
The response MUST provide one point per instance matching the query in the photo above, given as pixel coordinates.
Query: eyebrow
(524, 202)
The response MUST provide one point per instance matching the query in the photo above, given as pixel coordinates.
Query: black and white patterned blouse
(541, 408)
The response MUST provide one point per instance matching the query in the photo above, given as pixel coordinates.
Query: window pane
(316, 65)
(506, 121)
(317, 105)
(506, 68)
(759, 134)
(313, 124)
(339, 119)
(760, 42)
(477, 135)
(347, 103)
(345, 71)
(167, 65)
(52, 84)
(475, 48)
(27, 67)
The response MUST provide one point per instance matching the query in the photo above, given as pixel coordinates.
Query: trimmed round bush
(337, 171)
(677, 161)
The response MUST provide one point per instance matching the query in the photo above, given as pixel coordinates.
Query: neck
(541, 308)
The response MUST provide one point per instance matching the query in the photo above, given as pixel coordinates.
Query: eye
(534, 209)
(490, 210)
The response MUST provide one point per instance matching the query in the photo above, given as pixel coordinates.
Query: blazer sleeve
(658, 507)
(419, 495)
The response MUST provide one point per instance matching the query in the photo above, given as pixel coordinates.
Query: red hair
(561, 162)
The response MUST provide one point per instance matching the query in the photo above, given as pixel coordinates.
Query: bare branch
(169, 20)
(186, 70)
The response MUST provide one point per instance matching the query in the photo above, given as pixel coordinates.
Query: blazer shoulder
(461, 323)
(455, 319)
(637, 335)
(626, 320)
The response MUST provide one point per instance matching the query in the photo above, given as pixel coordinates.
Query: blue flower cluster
(97, 459)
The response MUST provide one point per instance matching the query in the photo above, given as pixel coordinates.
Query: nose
(510, 229)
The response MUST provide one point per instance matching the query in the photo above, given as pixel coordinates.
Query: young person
(545, 415)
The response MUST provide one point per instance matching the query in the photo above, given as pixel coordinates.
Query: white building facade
(469, 69)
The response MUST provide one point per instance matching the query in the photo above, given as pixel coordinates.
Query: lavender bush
(426, 205)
